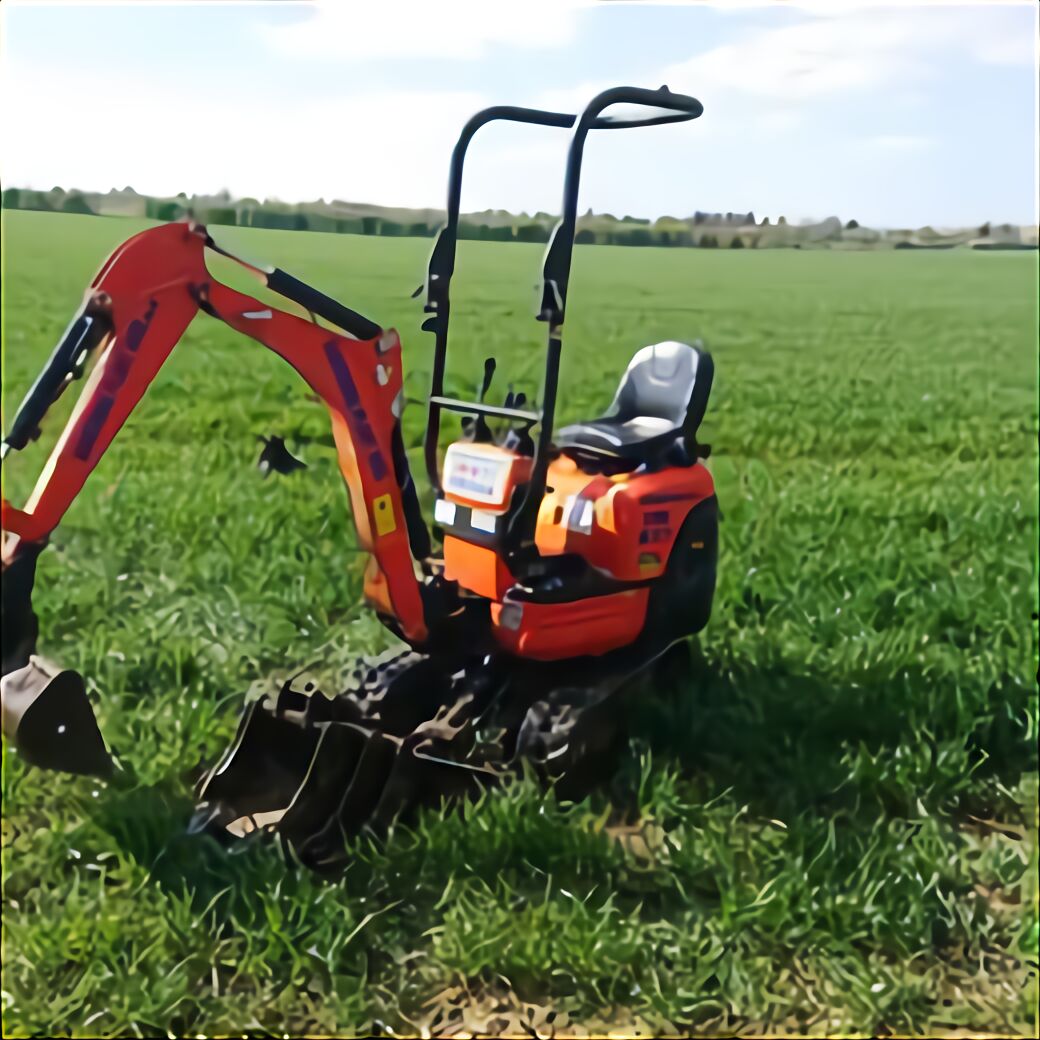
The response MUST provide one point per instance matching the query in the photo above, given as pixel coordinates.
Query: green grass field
(830, 828)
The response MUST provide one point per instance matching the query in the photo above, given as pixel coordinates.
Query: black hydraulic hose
(324, 306)
(306, 296)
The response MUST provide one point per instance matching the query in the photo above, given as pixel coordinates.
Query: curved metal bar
(556, 268)
(441, 265)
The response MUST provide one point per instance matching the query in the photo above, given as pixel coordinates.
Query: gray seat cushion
(662, 396)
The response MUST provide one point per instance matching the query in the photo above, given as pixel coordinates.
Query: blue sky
(894, 115)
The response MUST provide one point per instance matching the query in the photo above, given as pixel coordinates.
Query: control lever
(481, 430)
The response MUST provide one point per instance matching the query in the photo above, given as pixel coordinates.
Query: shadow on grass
(787, 742)
(784, 744)
(149, 824)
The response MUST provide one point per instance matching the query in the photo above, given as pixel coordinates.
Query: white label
(444, 511)
(475, 475)
(482, 520)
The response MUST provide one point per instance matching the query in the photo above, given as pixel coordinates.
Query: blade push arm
(138, 307)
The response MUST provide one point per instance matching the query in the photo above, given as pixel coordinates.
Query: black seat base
(595, 453)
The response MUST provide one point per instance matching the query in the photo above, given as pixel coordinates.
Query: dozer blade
(349, 808)
(48, 718)
(317, 770)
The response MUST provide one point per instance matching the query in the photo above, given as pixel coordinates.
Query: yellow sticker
(383, 510)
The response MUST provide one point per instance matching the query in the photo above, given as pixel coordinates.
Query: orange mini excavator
(569, 559)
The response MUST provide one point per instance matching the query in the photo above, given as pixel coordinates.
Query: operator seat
(660, 401)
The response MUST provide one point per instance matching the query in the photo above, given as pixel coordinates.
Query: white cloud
(793, 63)
(195, 137)
(1019, 49)
(900, 142)
(852, 50)
(767, 81)
(458, 29)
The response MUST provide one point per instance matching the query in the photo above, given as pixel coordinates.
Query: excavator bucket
(48, 718)
(44, 709)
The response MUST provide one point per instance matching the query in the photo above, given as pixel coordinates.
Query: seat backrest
(669, 381)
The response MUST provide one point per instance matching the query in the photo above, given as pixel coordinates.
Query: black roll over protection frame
(664, 107)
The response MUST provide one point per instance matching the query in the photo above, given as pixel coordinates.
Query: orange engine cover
(623, 525)
(552, 631)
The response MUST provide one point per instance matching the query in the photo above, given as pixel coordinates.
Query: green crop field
(827, 826)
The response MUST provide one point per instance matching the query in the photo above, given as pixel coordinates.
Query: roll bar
(665, 107)
(662, 106)
(441, 265)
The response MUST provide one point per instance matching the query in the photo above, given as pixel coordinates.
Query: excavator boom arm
(138, 307)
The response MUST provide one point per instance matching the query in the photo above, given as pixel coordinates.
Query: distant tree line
(602, 229)
(701, 231)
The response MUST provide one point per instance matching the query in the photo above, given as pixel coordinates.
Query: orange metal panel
(552, 631)
(635, 514)
(476, 568)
